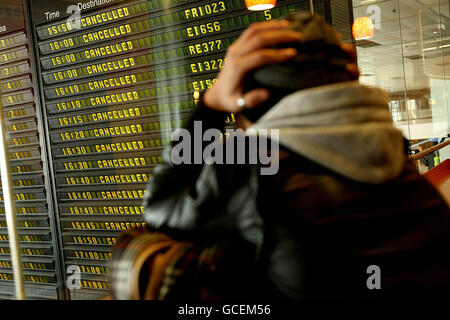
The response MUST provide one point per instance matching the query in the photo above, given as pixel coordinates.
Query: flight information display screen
(114, 89)
(31, 191)
(92, 91)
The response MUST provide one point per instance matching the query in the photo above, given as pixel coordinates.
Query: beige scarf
(345, 127)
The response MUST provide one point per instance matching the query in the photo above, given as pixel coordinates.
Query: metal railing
(424, 153)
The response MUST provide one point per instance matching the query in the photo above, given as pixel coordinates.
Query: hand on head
(252, 50)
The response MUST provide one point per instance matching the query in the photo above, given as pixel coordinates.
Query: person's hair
(320, 61)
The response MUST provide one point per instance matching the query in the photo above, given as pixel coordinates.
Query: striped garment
(148, 265)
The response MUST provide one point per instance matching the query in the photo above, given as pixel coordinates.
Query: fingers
(263, 26)
(252, 99)
(256, 59)
(255, 97)
(353, 71)
(266, 40)
(352, 68)
(263, 34)
(350, 50)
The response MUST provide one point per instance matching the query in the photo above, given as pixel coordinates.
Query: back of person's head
(320, 61)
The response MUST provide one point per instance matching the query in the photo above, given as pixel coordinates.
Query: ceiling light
(363, 28)
(258, 5)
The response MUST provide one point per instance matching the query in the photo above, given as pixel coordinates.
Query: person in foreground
(346, 216)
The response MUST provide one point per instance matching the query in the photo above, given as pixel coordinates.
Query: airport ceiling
(413, 40)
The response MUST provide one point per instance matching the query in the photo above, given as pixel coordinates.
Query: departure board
(115, 85)
(37, 237)
(91, 92)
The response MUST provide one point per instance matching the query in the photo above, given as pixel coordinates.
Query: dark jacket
(314, 228)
